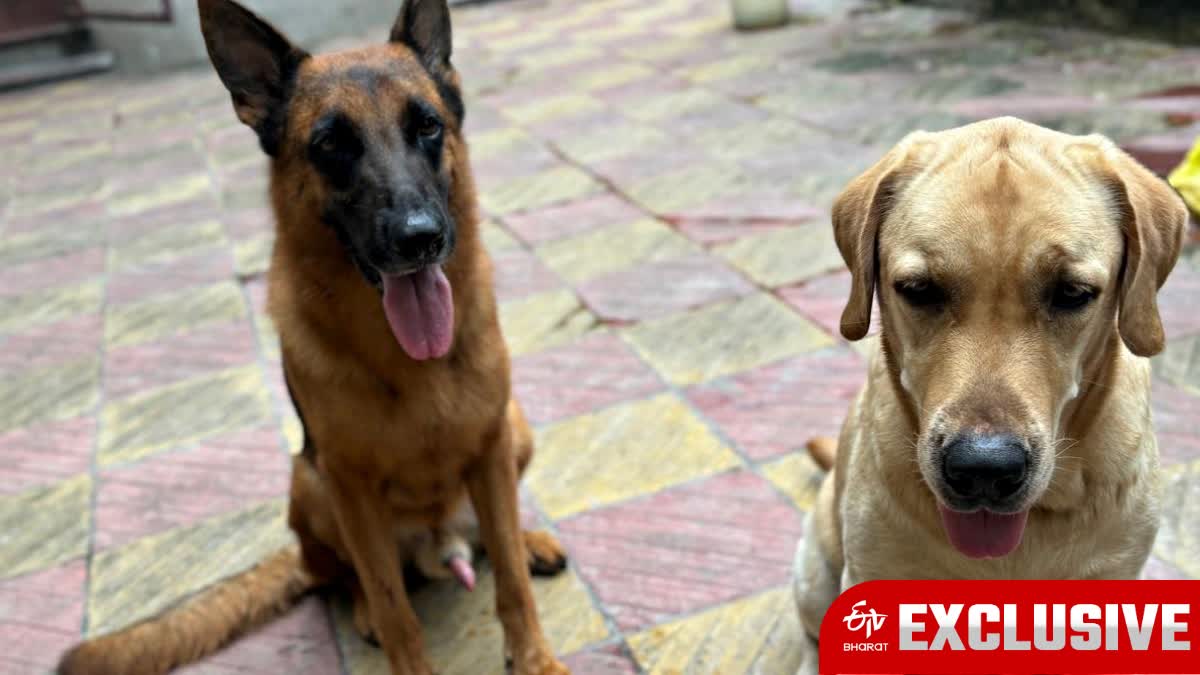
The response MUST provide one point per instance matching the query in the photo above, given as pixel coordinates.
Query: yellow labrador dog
(1004, 429)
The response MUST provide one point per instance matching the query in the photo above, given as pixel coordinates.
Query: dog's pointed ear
(1152, 218)
(255, 63)
(424, 27)
(857, 214)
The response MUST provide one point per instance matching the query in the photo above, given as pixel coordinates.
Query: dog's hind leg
(546, 556)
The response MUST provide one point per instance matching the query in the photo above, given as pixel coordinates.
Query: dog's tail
(198, 625)
(823, 451)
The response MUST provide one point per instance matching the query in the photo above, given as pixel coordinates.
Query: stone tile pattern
(656, 189)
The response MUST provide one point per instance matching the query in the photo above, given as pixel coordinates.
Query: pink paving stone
(822, 300)
(300, 643)
(128, 370)
(67, 341)
(41, 615)
(685, 548)
(61, 270)
(90, 214)
(565, 220)
(192, 211)
(518, 273)
(207, 266)
(1176, 423)
(774, 409)
(607, 660)
(246, 223)
(591, 373)
(1022, 106)
(1157, 568)
(1177, 302)
(45, 453)
(184, 487)
(751, 209)
(657, 289)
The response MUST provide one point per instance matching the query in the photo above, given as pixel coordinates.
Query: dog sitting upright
(392, 351)
(1004, 429)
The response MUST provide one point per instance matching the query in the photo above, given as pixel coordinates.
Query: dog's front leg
(365, 521)
(492, 484)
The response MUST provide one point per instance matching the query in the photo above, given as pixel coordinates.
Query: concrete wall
(150, 47)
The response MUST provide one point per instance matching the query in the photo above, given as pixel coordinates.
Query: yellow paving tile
(616, 247)
(462, 634)
(253, 256)
(688, 187)
(564, 56)
(797, 476)
(496, 238)
(45, 526)
(702, 26)
(759, 635)
(161, 193)
(612, 76)
(755, 140)
(613, 141)
(785, 255)
(57, 392)
(41, 163)
(620, 452)
(19, 312)
(724, 338)
(544, 320)
(672, 104)
(293, 432)
(59, 197)
(165, 243)
(136, 426)
(662, 50)
(522, 40)
(268, 337)
(171, 313)
(548, 108)
(543, 189)
(46, 242)
(143, 578)
(503, 142)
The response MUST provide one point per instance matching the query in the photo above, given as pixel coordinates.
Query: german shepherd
(392, 352)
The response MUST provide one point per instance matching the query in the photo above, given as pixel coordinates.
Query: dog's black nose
(413, 233)
(985, 467)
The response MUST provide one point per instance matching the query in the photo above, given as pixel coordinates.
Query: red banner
(1014, 627)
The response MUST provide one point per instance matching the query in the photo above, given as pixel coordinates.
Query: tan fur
(996, 212)
(395, 449)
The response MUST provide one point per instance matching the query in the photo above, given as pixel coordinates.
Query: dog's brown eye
(921, 292)
(1068, 296)
(429, 127)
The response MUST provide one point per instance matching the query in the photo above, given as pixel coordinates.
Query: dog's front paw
(546, 556)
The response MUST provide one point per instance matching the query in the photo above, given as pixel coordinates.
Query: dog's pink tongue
(420, 310)
(983, 534)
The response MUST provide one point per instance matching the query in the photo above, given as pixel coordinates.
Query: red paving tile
(1177, 302)
(45, 453)
(685, 548)
(129, 370)
(184, 487)
(594, 372)
(1176, 423)
(69, 340)
(556, 222)
(206, 266)
(41, 614)
(63, 270)
(518, 273)
(657, 289)
(775, 409)
(822, 300)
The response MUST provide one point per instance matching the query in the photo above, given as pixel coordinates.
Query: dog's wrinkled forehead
(985, 207)
(364, 83)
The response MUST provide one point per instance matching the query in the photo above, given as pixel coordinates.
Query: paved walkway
(658, 191)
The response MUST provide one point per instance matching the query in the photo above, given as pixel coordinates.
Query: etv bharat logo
(868, 619)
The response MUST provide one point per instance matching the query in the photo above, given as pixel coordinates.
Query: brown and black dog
(392, 351)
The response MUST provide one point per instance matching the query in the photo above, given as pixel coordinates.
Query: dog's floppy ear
(857, 214)
(255, 63)
(1152, 218)
(424, 27)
